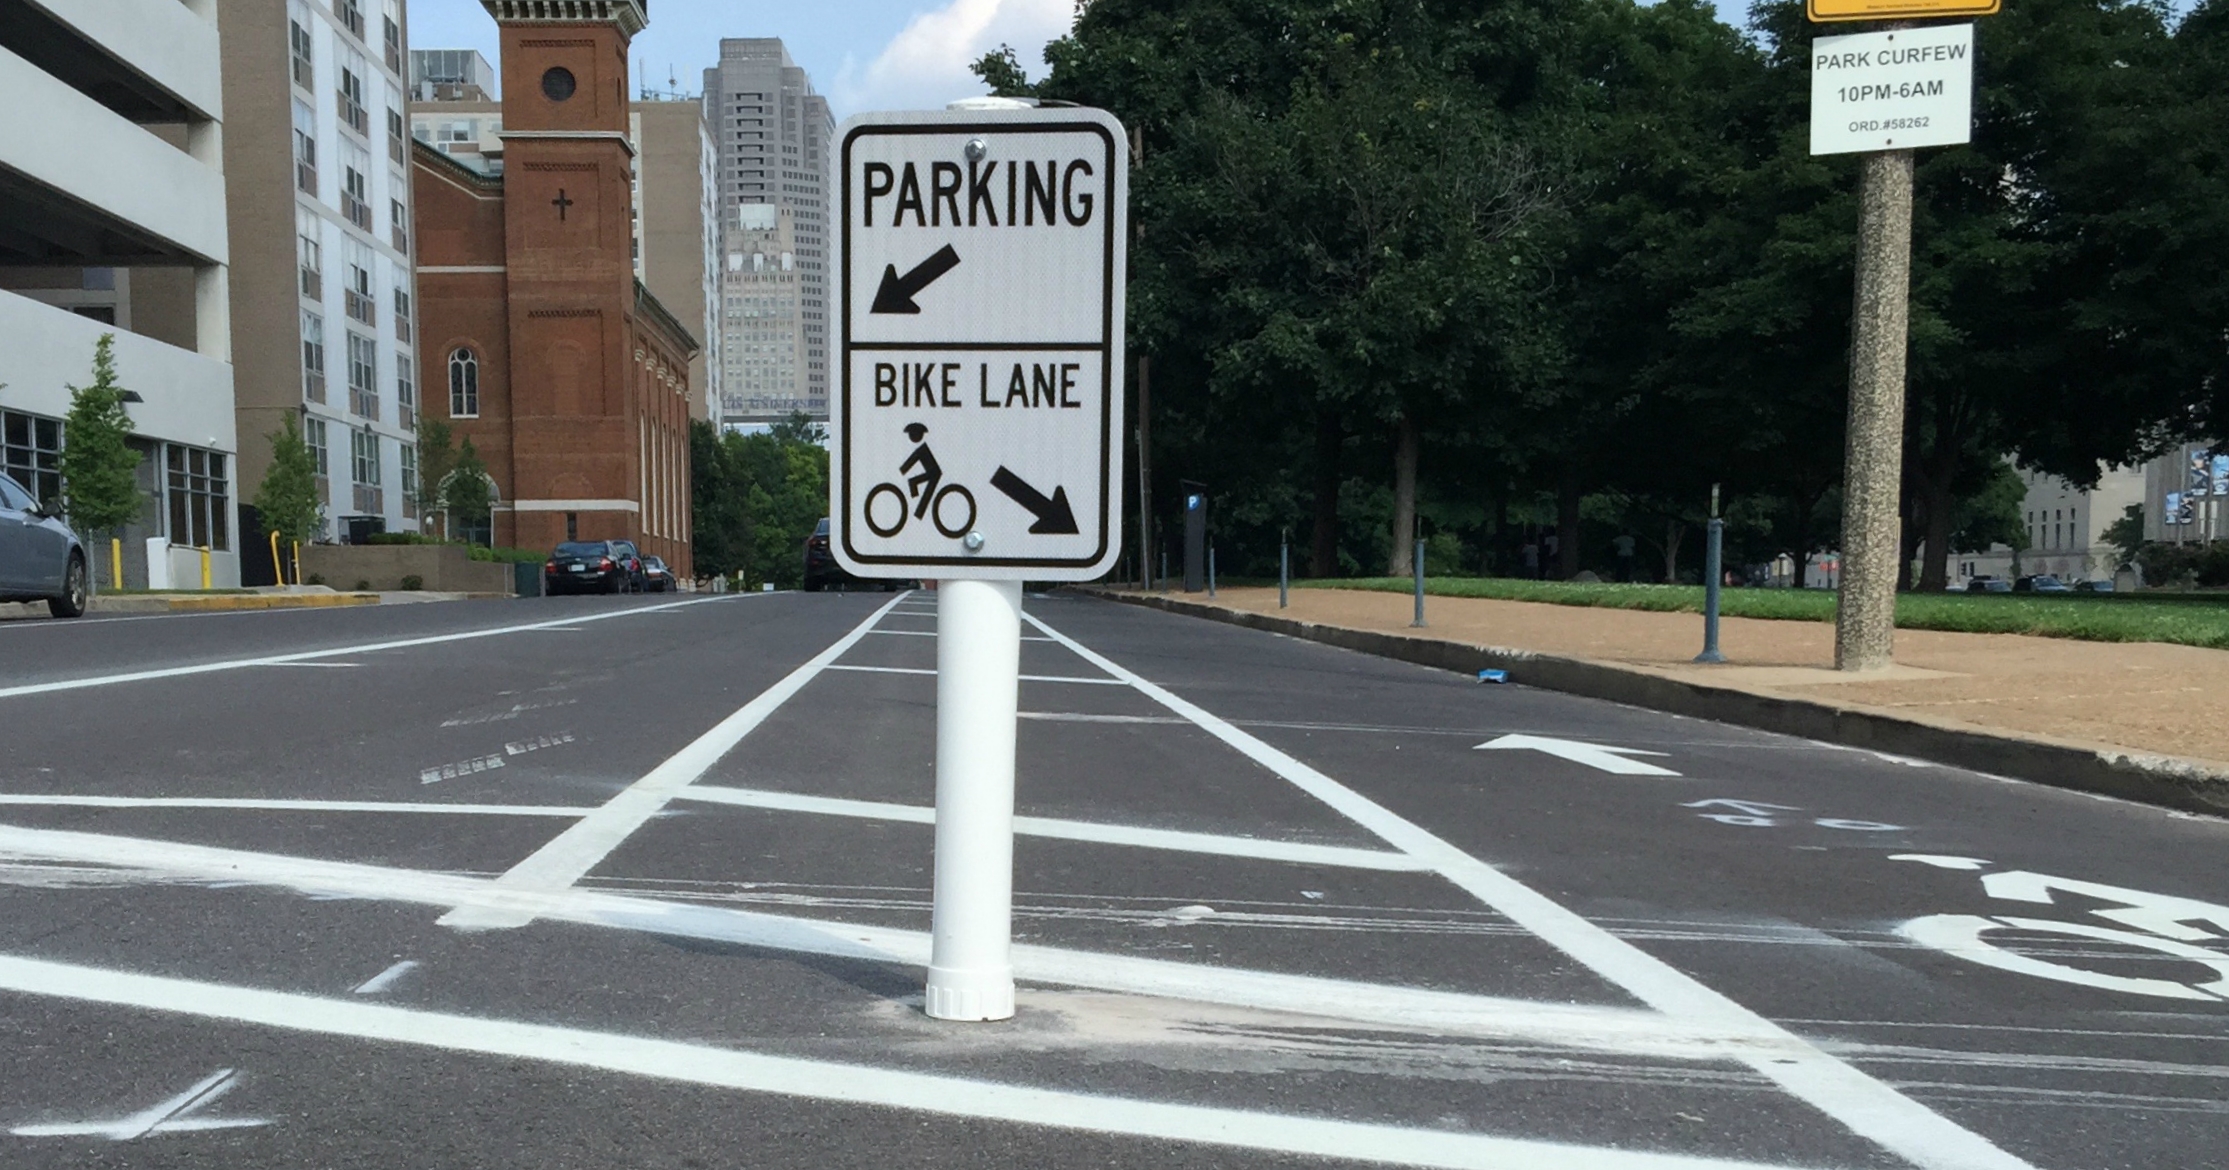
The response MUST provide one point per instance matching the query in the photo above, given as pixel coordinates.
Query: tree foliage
(756, 498)
(100, 485)
(287, 500)
(467, 492)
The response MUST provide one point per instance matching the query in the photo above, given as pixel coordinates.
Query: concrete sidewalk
(2146, 720)
(291, 597)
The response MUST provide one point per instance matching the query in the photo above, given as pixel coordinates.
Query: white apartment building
(113, 220)
(321, 145)
(760, 293)
(775, 137)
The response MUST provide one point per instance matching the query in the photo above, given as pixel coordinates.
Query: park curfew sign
(1827, 11)
(1892, 90)
(980, 263)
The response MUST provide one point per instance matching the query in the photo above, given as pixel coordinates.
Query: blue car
(40, 558)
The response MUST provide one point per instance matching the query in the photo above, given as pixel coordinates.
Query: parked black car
(656, 577)
(822, 571)
(1988, 584)
(40, 558)
(2040, 583)
(593, 566)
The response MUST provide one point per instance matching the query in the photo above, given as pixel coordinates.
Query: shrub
(402, 538)
(316, 579)
(413, 583)
(363, 586)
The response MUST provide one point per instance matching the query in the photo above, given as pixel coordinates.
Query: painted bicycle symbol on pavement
(2144, 921)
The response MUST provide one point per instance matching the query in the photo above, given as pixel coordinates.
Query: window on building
(464, 384)
(309, 253)
(356, 186)
(393, 36)
(305, 149)
(363, 448)
(356, 291)
(31, 453)
(298, 39)
(398, 223)
(199, 497)
(410, 480)
(398, 132)
(402, 309)
(313, 437)
(406, 394)
(351, 14)
(363, 376)
(313, 357)
(353, 114)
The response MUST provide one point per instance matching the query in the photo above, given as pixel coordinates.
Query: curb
(226, 601)
(2171, 781)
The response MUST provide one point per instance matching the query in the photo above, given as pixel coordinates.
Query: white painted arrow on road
(1593, 755)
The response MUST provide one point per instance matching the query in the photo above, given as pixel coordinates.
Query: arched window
(464, 384)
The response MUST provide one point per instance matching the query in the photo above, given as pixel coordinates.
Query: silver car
(40, 558)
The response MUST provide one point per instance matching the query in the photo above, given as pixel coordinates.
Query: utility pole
(1878, 95)
(1873, 466)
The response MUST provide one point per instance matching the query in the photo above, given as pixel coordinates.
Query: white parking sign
(1893, 90)
(979, 413)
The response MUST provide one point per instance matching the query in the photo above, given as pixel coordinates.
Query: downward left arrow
(897, 292)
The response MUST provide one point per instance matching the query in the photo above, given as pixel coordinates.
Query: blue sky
(863, 54)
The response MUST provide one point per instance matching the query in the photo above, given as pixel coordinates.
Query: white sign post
(1893, 90)
(976, 439)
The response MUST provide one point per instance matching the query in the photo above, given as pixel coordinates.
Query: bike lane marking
(1866, 1106)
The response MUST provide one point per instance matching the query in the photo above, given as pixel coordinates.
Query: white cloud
(926, 65)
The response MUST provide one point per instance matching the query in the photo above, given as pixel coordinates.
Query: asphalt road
(642, 882)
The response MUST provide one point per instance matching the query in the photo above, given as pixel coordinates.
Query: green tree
(100, 486)
(467, 491)
(756, 498)
(2126, 534)
(287, 498)
(437, 457)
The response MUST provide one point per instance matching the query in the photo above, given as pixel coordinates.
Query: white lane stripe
(571, 854)
(340, 652)
(1868, 1107)
(1066, 830)
(385, 979)
(252, 804)
(1605, 1029)
(668, 1060)
(1051, 678)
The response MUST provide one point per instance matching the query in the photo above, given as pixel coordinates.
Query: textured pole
(1211, 570)
(1418, 570)
(978, 676)
(1713, 544)
(1865, 610)
(1145, 474)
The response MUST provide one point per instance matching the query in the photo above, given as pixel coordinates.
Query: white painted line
(522, 746)
(905, 633)
(1869, 1108)
(1075, 717)
(1102, 834)
(385, 979)
(1049, 678)
(1600, 757)
(172, 1116)
(669, 1060)
(572, 853)
(1606, 1029)
(516, 710)
(461, 768)
(254, 805)
(326, 665)
(339, 652)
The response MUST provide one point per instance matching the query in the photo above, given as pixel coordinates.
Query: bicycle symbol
(922, 492)
(2165, 925)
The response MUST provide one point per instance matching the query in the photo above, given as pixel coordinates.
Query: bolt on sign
(1892, 90)
(1827, 11)
(981, 256)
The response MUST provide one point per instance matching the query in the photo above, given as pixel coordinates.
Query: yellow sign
(1824, 11)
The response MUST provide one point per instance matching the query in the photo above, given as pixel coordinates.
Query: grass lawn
(2095, 618)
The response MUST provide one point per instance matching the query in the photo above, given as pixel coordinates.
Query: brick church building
(568, 376)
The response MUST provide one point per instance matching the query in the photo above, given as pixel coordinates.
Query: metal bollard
(1284, 573)
(1417, 567)
(1211, 570)
(1712, 574)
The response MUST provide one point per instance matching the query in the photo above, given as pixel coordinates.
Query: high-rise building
(675, 235)
(324, 317)
(774, 136)
(759, 293)
(112, 221)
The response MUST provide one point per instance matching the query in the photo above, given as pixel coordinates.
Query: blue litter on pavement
(1493, 676)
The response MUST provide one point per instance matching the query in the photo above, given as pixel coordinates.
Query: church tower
(598, 435)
